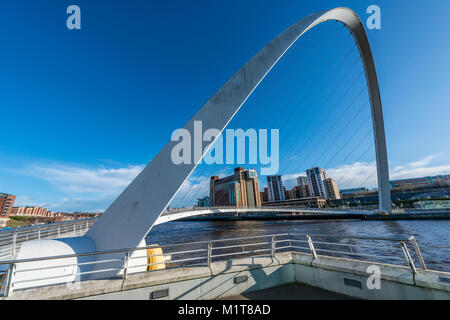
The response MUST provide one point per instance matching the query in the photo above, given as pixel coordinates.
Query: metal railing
(10, 240)
(122, 262)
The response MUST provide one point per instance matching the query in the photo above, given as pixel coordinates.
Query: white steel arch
(131, 216)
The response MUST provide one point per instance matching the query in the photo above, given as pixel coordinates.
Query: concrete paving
(292, 291)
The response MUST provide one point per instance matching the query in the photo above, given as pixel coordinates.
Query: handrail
(10, 240)
(84, 254)
(47, 225)
(209, 251)
(123, 250)
(349, 237)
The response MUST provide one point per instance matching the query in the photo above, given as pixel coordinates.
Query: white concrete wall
(54, 271)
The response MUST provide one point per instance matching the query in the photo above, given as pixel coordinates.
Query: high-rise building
(316, 179)
(303, 187)
(302, 181)
(240, 189)
(265, 195)
(332, 189)
(6, 204)
(292, 194)
(304, 191)
(275, 188)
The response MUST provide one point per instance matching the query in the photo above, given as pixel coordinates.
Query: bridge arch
(131, 216)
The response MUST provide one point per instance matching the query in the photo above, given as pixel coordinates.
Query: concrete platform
(286, 276)
(292, 291)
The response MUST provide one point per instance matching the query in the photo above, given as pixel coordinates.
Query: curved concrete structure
(131, 216)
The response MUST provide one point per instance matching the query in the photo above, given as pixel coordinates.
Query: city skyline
(289, 181)
(80, 150)
(333, 192)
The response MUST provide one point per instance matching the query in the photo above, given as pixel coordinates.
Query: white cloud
(292, 176)
(79, 180)
(78, 188)
(29, 201)
(417, 172)
(422, 162)
(359, 174)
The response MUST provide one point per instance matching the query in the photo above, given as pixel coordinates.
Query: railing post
(59, 231)
(419, 254)
(311, 246)
(209, 253)
(408, 257)
(125, 265)
(9, 280)
(39, 234)
(74, 229)
(273, 246)
(13, 246)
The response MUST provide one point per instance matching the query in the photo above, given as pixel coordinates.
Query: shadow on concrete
(292, 291)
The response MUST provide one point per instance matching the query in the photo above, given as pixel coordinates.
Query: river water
(432, 235)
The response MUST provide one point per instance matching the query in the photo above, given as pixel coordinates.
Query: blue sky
(83, 111)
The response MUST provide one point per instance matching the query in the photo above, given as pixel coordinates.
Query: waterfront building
(6, 204)
(292, 194)
(265, 195)
(424, 182)
(32, 211)
(432, 204)
(316, 179)
(332, 189)
(349, 193)
(203, 202)
(304, 191)
(39, 212)
(303, 187)
(240, 189)
(302, 181)
(275, 188)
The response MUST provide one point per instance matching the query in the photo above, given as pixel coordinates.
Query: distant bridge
(177, 214)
